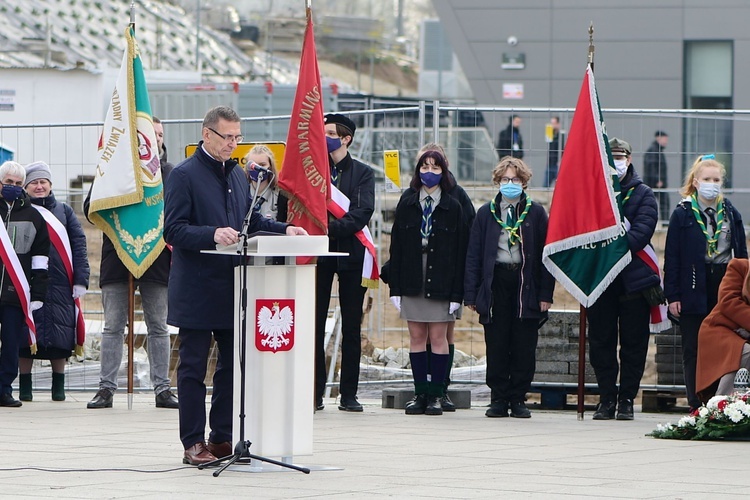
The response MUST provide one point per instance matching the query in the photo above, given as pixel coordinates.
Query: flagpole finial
(591, 43)
(132, 13)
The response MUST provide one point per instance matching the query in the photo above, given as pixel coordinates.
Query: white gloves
(36, 304)
(396, 301)
(453, 307)
(78, 291)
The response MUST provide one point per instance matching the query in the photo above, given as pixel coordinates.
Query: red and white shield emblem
(274, 324)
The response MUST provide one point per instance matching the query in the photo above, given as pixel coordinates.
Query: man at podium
(206, 204)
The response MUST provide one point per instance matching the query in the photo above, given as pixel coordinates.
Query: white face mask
(622, 167)
(709, 190)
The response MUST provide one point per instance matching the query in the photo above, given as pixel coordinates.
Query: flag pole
(131, 287)
(582, 311)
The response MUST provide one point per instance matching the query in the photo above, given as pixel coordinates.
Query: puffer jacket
(27, 231)
(56, 321)
(640, 208)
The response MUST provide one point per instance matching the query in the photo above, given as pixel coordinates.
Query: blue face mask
(333, 143)
(430, 179)
(511, 191)
(11, 193)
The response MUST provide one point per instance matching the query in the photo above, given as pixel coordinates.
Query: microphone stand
(261, 178)
(242, 448)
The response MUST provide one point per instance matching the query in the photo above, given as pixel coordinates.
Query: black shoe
(7, 400)
(446, 404)
(605, 411)
(167, 399)
(349, 404)
(497, 409)
(417, 405)
(319, 404)
(625, 410)
(518, 410)
(433, 406)
(103, 399)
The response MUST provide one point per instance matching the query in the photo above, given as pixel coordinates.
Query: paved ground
(63, 450)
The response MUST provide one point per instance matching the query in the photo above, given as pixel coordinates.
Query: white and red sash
(658, 317)
(58, 235)
(18, 278)
(338, 206)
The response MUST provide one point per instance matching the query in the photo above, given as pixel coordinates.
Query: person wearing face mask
(27, 233)
(469, 212)
(263, 181)
(623, 310)
(705, 232)
(427, 256)
(58, 326)
(508, 286)
(356, 181)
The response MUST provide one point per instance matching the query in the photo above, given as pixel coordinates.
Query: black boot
(58, 386)
(24, 387)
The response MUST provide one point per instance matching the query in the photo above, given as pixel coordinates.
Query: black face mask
(11, 192)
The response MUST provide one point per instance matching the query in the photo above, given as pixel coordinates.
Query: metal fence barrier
(468, 134)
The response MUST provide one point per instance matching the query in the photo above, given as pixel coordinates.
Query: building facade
(664, 54)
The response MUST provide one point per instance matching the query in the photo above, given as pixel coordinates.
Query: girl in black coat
(508, 286)
(428, 250)
(696, 256)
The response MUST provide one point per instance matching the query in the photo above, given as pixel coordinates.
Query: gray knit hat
(37, 170)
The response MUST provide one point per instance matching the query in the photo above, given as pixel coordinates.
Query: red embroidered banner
(305, 176)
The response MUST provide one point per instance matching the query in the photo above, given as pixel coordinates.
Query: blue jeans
(115, 303)
(12, 336)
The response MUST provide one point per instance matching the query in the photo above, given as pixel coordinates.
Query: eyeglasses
(508, 180)
(229, 138)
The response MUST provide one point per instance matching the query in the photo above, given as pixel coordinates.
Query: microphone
(254, 166)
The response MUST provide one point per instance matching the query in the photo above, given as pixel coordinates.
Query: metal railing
(467, 133)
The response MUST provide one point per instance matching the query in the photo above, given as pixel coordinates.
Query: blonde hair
(688, 189)
(262, 149)
(522, 170)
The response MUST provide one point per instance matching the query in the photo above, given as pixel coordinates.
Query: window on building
(708, 78)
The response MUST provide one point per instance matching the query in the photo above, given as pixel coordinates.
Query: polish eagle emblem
(274, 325)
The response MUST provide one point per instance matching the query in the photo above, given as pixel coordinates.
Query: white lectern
(280, 346)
